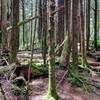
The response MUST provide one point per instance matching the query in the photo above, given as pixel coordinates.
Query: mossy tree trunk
(14, 43)
(74, 5)
(51, 87)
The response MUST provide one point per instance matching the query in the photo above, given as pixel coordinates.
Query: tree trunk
(60, 27)
(0, 26)
(74, 26)
(51, 87)
(83, 30)
(4, 23)
(95, 25)
(23, 17)
(15, 31)
(44, 29)
(31, 24)
(40, 20)
(65, 56)
(88, 23)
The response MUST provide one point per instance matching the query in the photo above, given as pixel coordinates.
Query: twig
(65, 73)
(2, 91)
(23, 22)
(96, 93)
(56, 50)
(6, 61)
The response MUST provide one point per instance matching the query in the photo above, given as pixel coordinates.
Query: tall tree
(74, 4)
(15, 31)
(32, 21)
(23, 17)
(51, 88)
(44, 29)
(88, 23)
(0, 26)
(40, 20)
(4, 23)
(66, 48)
(60, 33)
(83, 29)
(95, 25)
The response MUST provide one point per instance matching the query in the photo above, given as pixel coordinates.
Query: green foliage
(38, 44)
(75, 76)
(75, 79)
(84, 64)
(75, 82)
(98, 42)
(48, 97)
(40, 69)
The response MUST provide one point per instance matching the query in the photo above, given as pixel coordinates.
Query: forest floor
(65, 91)
(39, 86)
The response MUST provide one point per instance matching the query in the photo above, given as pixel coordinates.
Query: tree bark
(95, 25)
(51, 87)
(15, 31)
(65, 56)
(0, 26)
(40, 20)
(74, 26)
(44, 29)
(23, 17)
(88, 23)
(4, 23)
(83, 30)
(60, 25)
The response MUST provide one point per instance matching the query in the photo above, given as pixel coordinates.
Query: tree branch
(23, 22)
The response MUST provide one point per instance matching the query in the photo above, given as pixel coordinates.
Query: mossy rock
(19, 86)
(20, 81)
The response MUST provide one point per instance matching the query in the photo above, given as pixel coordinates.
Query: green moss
(52, 95)
(40, 69)
(19, 86)
(48, 96)
(51, 86)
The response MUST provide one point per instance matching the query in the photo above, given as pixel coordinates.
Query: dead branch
(23, 22)
(2, 91)
(56, 50)
(58, 9)
(65, 73)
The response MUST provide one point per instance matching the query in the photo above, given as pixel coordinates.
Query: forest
(49, 49)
